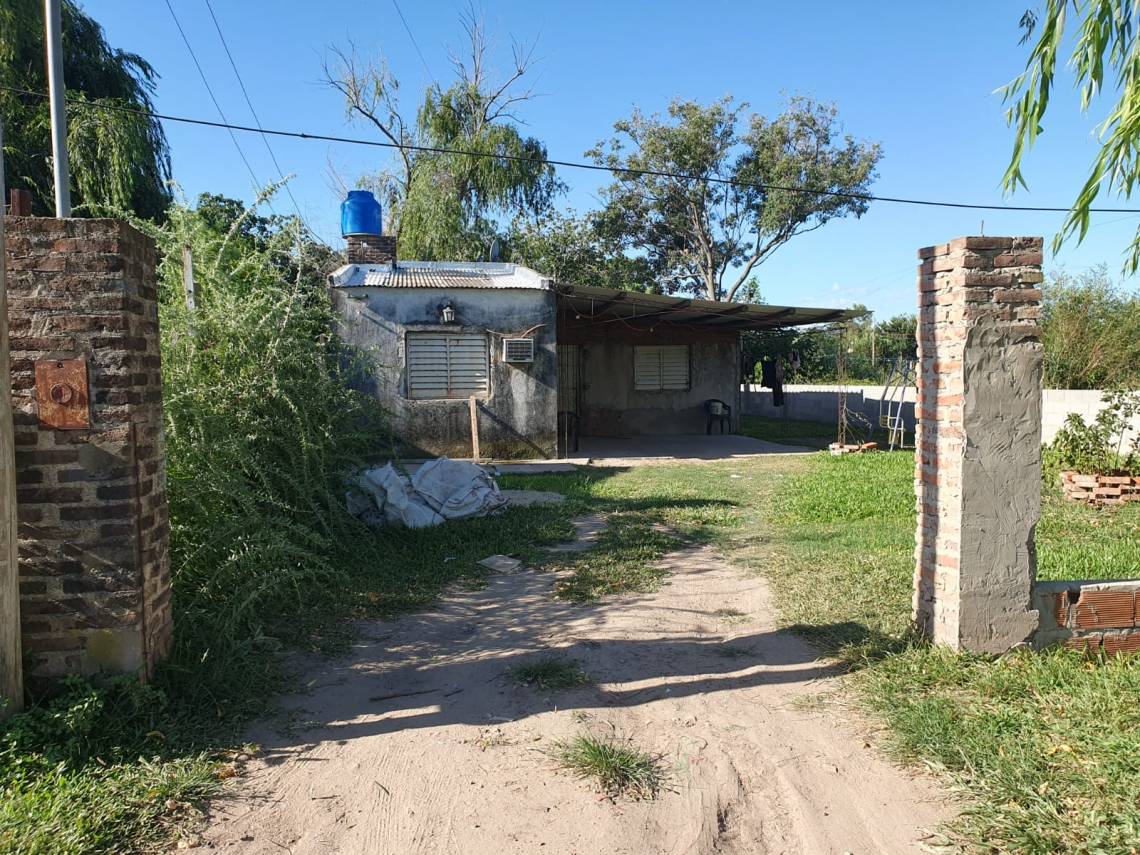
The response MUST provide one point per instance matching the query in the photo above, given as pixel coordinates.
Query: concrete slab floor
(646, 450)
(642, 451)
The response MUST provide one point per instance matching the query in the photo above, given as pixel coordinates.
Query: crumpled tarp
(440, 490)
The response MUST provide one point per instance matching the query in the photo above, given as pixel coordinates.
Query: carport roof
(587, 301)
(590, 302)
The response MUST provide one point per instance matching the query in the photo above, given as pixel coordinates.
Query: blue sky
(918, 77)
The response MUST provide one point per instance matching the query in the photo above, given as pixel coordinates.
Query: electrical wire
(225, 122)
(569, 164)
(415, 44)
(257, 120)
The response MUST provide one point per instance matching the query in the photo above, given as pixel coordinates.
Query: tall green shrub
(1088, 328)
(260, 425)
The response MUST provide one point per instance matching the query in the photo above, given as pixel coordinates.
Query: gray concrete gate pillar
(978, 455)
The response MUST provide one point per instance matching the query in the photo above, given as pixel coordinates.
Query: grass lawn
(1047, 745)
(122, 768)
(806, 434)
(782, 430)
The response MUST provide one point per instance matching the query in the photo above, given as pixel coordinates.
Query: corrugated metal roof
(439, 274)
(602, 305)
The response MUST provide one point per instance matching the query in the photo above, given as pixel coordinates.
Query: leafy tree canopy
(118, 161)
(1089, 325)
(1106, 54)
(570, 249)
(441, 205)
(703, 235)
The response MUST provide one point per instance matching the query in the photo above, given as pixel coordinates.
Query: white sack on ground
(440, 490)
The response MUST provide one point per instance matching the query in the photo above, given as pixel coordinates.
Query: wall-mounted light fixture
(447, 314)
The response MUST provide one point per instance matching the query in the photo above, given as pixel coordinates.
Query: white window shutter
(658, 368)
(675, 367)
(447, 365)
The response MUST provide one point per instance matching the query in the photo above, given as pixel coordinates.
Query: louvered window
(447, 366)
(661, 368)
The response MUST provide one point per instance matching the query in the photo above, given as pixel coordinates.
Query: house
(545, 362)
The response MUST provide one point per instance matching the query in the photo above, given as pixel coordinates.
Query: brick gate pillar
(978, 444)
(87, 407)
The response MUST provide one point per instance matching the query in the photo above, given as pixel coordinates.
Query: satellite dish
(495, 251)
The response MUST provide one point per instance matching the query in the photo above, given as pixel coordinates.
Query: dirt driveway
(419, 743)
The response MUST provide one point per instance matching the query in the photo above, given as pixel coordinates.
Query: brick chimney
(371, 249)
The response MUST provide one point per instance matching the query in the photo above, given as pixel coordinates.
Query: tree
(672, 201)
(895, 338)
(1105, 52)
(1088, 329)
(119, 161)
(440, 204)
(281, 241)
(570, 249)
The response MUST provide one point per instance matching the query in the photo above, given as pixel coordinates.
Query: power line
(225, 122)
(569, 164)
(415, 44)
(257, 120)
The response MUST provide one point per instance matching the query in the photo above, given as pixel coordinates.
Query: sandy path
(461, 766)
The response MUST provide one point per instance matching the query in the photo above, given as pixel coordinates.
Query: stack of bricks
(1090, 616)
(977, 478)
(371, 249)
(1100, 490)
(93, 524)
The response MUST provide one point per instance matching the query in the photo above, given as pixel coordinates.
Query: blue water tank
(360, 214)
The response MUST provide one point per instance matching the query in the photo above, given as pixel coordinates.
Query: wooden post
(474, 408)
(11, 665)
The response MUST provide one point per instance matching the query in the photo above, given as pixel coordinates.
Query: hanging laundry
(778, 383)
(767, 373)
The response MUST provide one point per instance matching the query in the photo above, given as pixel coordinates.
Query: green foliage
(1103, 57)
(629, 561)
(118, 160)
(261, 425)
(616, 766)
(1088, 328)
(706, 237)
(870, 350)
(444, 206)
(1101, 447)
(1044, 745)
(84, 772)
(551, 674)
(571, 249)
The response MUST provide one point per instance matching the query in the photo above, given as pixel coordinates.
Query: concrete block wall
(978, 455)
(819, 403)
(93, 523)
(811, 402)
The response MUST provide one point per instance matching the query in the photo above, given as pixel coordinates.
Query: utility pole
(58, 94)
(11, 661)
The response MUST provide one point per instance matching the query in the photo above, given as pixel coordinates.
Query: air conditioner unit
(518, 350)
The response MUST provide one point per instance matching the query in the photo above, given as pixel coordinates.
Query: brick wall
(371, 249)
(1092, 616)
(93, 525)
(978, 464)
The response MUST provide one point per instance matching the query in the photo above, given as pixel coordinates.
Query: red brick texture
(1091, 616)
(93, 524)
(373, 249)
(1100, 490)
(975, 294)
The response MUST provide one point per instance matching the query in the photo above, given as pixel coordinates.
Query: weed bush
(1100, 447)
(260, 430)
